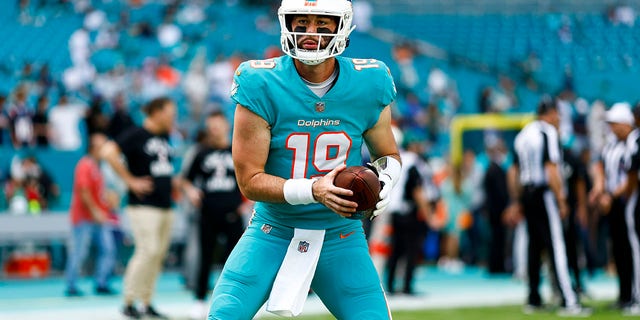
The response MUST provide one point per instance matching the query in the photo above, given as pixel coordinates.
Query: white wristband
(299, 191)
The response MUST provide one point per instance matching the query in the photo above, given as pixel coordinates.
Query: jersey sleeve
(126, 141)
(551, 148)
(632, 161)
(249, 85)
(193, 170)
(387, 86)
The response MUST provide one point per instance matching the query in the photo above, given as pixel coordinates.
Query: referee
(609, 194)
(632, 212)
(538, 184)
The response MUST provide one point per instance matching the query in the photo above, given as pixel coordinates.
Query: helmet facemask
(330, 43)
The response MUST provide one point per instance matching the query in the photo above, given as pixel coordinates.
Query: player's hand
(385, 192)
(100, 217)
(594, 194)
(604, 202)
(325, 192)
(140, 186)
(563, 209)
(194, 195)
(512, 215)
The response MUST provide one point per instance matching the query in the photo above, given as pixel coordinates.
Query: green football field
(601, 312)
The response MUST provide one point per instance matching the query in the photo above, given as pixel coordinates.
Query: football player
(300, 119)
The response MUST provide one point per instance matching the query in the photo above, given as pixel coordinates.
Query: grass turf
(600, 312)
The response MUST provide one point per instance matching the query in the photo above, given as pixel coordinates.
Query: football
(365, 186)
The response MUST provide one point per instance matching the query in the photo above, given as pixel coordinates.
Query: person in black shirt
(211, 186)
(148, 175)
(410, 212)
(576, 174)
(495, 203)
(120, 120)
(41, 122)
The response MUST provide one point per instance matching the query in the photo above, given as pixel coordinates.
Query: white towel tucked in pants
(293, 280)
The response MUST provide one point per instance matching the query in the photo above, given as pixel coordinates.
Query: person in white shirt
(64, 121)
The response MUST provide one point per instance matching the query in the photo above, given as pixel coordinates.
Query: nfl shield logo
(310, 3)
(303, 246)
(320, 106)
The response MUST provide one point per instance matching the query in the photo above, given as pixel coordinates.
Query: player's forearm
(513, 184)
(111, 153)
(597, 172)
(262, 187)
(632, 183)
(555, 182)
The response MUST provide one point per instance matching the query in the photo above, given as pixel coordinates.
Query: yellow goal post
(468, 122)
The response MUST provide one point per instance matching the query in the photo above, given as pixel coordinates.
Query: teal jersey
(310, 135)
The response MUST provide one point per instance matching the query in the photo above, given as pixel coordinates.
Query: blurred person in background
(495, 203)
(65, 119)
(632, 211)
(609, 195)
(41, 122)
(191, 254)
(121, 120)
(407, 75)
(210, 185)
(90, 217)
(94, 116)
(410, 212)
(21, 120)
(147, 172)
(457, 196)
(575, 173)
(33, 183)
(537, 188)
(4, 119)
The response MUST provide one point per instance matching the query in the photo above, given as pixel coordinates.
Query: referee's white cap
(620, 113)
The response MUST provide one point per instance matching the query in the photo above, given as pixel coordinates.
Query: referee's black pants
(621, 250)
(545, 233)
(632, 219)
(572, 242)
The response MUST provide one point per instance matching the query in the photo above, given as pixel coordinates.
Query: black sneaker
(105, 291)
(131, 312)
(153, 314)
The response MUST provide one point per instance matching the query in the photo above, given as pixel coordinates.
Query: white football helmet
(339, 40)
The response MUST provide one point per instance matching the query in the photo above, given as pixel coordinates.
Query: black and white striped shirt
(613, 160)
(632, 157)
(536, 144)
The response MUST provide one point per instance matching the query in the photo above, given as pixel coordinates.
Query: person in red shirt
(90, 219)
